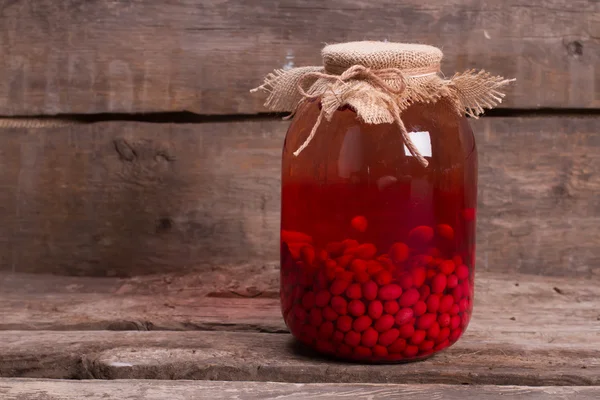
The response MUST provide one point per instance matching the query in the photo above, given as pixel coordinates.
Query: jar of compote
(378, 215)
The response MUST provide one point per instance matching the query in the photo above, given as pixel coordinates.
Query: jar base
(302, 349)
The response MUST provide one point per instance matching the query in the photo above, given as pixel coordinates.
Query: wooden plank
(27, 389)
(535, 331)
(33, 302)
(481, 357)
(203, 56)
(127, 198)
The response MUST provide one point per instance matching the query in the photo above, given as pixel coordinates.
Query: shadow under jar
(377, 250)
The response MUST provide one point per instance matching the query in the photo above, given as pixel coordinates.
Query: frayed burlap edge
(380, 95)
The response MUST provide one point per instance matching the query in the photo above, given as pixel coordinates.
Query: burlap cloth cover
(379, 80)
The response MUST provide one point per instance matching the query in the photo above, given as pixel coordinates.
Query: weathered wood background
(137, 169)
(112, 197)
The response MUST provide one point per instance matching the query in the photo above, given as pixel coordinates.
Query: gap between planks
(24, 389)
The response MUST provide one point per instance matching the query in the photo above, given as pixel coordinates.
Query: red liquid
(377, 251)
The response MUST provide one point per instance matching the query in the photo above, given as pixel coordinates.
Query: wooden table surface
(531, 337)
(139, 199)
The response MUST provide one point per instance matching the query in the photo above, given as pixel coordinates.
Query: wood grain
(24, 389)
(128, 198)
(79, 57)
(479, 358)
(555, 310)
(522, 333)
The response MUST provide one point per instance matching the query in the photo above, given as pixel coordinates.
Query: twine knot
(339, 92)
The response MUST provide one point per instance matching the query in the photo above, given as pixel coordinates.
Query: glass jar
(377, 250)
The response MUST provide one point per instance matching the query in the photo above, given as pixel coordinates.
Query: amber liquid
(356, 187)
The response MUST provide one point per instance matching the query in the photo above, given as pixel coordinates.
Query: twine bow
(339, 92)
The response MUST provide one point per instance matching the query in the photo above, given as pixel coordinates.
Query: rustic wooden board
(548, 309)
(481, 357)
(202, 56)
(535, 331)
(27, 389)
(127, 198)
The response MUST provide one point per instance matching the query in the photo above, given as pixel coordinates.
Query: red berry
(446, 303)
(457, 260)
(359, 223)
(369, 337)
(454, 322)
(358, 266)
(388, 337)
(454, 309)
(329, 314)
(420, 235)
(379, 351)
(361, 323)
(356, 308)
(374, 267)
(462, 272)
(399, 252)
(308, 300)
(433, 331)
(315, 317)
(386, 263)
(403, 316)
(426, 345)
(375, 309)
(452, 281)
(344, 260)
(389, 292)
(383, 277)
(433, 303)
(344, 323)
(420, 308)
(444, 334)
(362, 352)
(405, 281)
(411, 351)
(322, 298)
(409, 298)
(445, 231)
(463, 305)
(339, 305)
(406, 331)
(419, 274)
(424, 291)
(438, 284)
(354, 291)
(457, 293)
(444, 320)
(300, 313)
(426, 320)
(418, 337)
(362, 277)
(442, 345)
(384, 323)
(293, 236)
(455, 334)
(391, 307)
(307, 253)
(326, 330)
(398, 346)
(369, 290)
(339, 286)
(352, 338)
(366, 251)
(447, 267)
